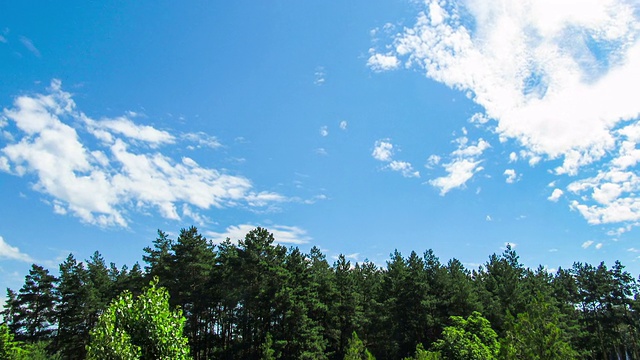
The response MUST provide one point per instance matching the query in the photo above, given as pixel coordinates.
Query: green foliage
(536, 335)
(30, 314)
(468, 339)
(266, 350)
(422, 354)
(356, 349)
(9, 348)
(142, 328)
(255, 299)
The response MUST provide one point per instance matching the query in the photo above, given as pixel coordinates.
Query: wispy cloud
(101, 183)
(465, 163)
(282, 234)
(324, 131)
(12, 253)
(343, 125)
(555, 78)
(587, 243)
(319, 76)
(29, 45)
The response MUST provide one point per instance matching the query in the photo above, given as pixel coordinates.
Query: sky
(358, 127)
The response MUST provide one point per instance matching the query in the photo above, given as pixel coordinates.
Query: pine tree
(33, 309)
(72, 310)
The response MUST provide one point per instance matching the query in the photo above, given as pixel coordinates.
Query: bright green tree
(142, 328)
(9, 348)
(356, 349)
(536, 334)
(468, 339)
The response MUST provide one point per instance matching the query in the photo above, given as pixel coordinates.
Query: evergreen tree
(32, 311)
(72, 310)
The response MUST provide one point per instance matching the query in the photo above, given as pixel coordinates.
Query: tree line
(255, 299)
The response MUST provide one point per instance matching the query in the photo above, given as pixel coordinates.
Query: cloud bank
(555, 78)
(102, 170)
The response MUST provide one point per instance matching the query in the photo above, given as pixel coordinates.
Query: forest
(255, 299)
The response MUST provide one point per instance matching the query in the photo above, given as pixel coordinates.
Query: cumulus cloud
(282, 234)
(382, 62)
(555, 195)
(324, 131)
(101, 183)
(383, 150)
(464, 164)
(554, 76)
(511, 176)
(12, 253)
(343, 125)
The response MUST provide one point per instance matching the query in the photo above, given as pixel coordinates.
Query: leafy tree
(468, 339)
(142, 328)
(422, 354)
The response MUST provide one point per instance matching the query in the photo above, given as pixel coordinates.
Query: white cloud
(282, 234)
(100, 186)
(12, 253)
(3, 39)
(556, 78)
(382, 62)
(202, 139)
(106, 128)
(383, 150)
(432, 161)
(598, 246)
(404, 167)
(587, 243)
(324, 131)
(555, 195)
(464, 164)
(511, 176)
(343, 125)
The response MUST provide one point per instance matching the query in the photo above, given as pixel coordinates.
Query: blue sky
(354, 126)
